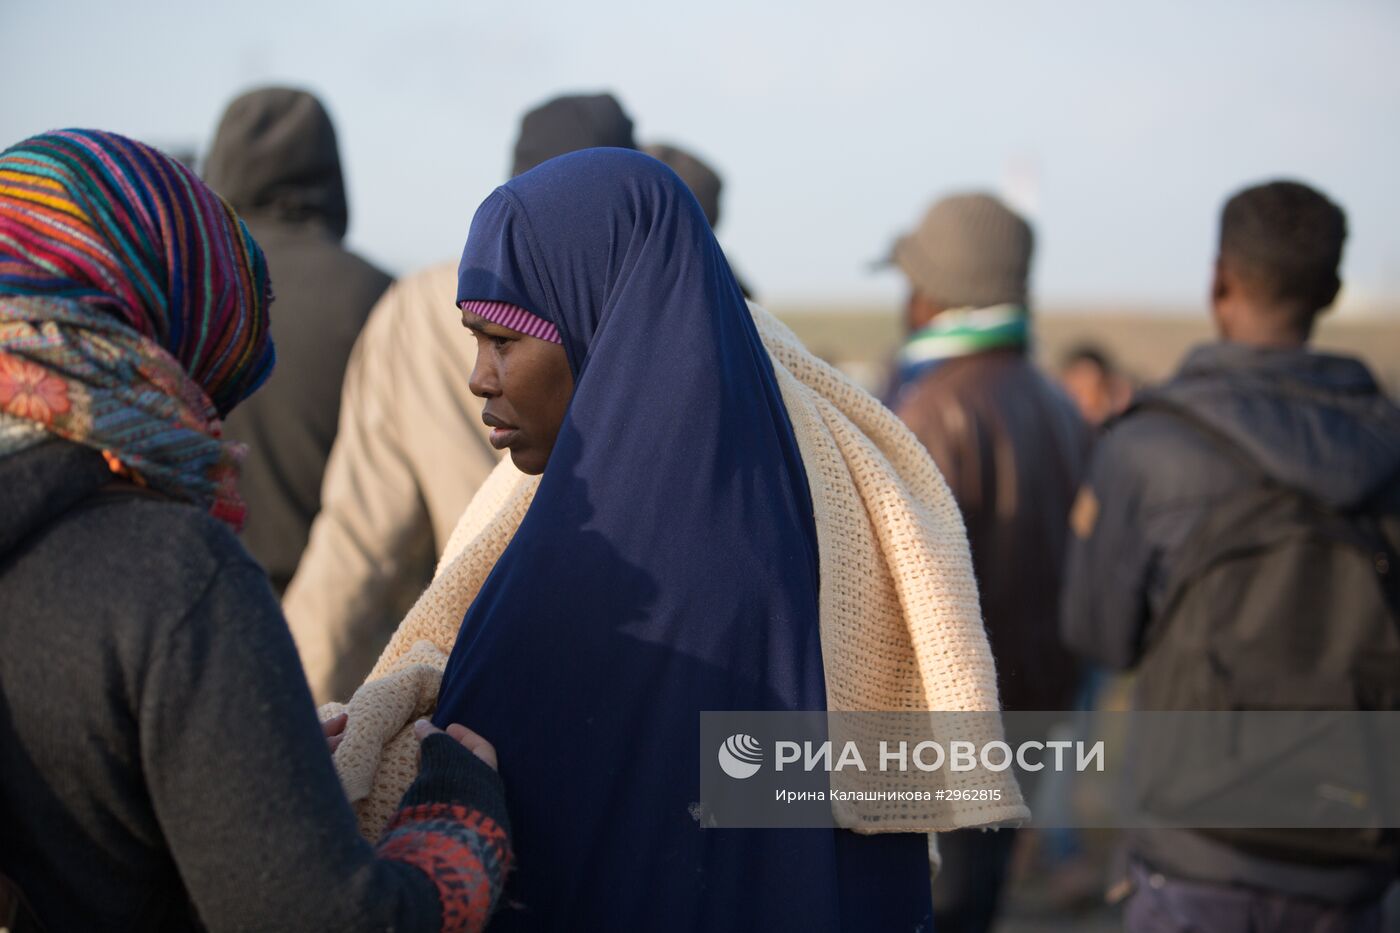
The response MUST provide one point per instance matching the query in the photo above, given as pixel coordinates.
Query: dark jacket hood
(40, 483)
(568, 124)
(275, 159)
(1313, 421)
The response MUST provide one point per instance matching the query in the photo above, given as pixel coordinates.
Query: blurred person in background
(163, 768)
(1257, 438)
(1073, 877)
(568, 123)
(1095, 383)
(703, 181)
(411, 449)
(1013, 449)
(274, 158)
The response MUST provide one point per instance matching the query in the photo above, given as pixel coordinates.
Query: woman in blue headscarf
(667, 565)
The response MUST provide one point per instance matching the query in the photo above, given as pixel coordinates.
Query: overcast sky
(1120, 127)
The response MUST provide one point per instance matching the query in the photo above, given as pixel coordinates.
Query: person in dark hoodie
(275, 159)
(162, 767)
(560, 124)
(1254, 412)
(411, 449)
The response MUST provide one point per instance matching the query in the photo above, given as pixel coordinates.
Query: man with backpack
(1236, 545)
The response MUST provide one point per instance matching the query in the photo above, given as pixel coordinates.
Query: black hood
(42, 482)
(1313, 421)
(275, 158)
(569, 123)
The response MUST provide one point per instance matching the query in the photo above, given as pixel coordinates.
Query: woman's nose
(483, 381)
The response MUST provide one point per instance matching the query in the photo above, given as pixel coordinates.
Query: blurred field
(1147, 345)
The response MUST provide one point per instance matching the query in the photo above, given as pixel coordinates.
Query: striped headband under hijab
(513, 316)
(133, 311)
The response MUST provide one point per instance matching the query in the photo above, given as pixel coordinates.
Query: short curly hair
(1284, 239)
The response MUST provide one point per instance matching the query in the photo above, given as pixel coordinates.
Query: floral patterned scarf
(133, 312)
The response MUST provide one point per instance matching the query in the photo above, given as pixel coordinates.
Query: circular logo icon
(741, 756)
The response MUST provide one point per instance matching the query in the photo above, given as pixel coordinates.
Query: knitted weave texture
(900, 623)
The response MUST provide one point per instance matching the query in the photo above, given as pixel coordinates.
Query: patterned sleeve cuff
(451, 774)
(451, 825)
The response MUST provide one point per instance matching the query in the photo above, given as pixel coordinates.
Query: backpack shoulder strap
(1217, 438)
(1361, 527)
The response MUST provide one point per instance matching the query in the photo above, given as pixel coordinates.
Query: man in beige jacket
(409, 453)
(411, 449)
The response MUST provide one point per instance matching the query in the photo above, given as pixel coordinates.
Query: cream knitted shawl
(900, 624)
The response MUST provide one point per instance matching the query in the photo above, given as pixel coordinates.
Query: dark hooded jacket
(1315, 422)
(1312, 421)
(275, 160)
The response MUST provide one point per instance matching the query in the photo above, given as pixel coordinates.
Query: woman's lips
(501, 433)
(501, 437)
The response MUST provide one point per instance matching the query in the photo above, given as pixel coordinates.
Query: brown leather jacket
(1013, 449)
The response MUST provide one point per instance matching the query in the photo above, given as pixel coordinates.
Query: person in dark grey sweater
(162, 759)
(161, 764)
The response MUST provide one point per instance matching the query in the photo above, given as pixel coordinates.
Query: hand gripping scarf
(133, 312)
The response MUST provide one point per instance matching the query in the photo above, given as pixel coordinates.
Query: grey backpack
(1278, 602)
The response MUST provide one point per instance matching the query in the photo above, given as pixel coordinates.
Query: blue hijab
(667, 565)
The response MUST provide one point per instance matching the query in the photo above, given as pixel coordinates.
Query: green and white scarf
(964, 331)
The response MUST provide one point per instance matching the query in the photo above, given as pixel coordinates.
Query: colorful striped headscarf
(133, 312)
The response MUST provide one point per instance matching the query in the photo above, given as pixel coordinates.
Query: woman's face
(527, 386)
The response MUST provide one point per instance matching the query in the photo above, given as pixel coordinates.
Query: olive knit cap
(970, 251)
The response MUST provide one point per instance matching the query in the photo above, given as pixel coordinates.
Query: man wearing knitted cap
(412, 449)
(1012, 448)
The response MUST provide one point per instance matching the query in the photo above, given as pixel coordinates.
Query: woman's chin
(526, 462)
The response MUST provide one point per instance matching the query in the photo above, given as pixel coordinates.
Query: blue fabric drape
(668, 565)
